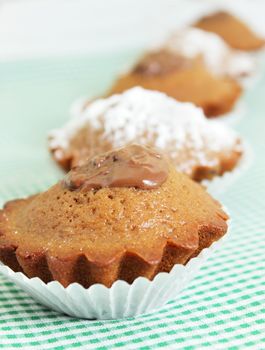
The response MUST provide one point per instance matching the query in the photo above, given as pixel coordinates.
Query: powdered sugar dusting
(217, 55)
(151, 117)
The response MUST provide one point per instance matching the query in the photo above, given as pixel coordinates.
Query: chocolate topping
(160, 63)
(131, 166)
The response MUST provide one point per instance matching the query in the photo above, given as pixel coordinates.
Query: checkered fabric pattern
(223, 307)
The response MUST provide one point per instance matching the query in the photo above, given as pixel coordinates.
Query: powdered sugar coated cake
(198, 147)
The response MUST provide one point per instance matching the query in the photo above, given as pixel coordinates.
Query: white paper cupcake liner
(220, 184)
(121, 300)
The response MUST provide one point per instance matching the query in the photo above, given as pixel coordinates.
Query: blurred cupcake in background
(218, 57)
(198, 147)
(192, 66)
(237, 34)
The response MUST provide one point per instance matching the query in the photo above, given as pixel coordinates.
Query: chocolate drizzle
(131, 166)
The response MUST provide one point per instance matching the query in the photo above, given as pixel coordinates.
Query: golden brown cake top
(104, 224)
(234, 31)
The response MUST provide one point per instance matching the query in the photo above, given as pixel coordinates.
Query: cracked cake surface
(198, 147)
(100, 224)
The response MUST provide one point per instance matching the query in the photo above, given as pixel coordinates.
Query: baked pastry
(220, 59)
(183, 72)
(185, 80)
(235, 32)
(123, 214)
(198, 147)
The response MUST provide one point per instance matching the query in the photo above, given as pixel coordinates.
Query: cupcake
(218, 57)
(192, 66)
(197, 147)
(123, 214)
(234, 31)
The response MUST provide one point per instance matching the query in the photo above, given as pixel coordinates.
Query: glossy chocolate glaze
(130, 166)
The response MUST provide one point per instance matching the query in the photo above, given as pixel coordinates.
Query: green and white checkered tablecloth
(223, 308)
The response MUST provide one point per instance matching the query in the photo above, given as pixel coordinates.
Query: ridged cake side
(109, 234)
